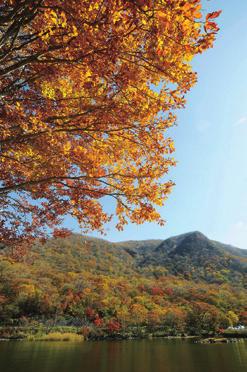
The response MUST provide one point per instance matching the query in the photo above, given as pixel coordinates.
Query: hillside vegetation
(185, 284)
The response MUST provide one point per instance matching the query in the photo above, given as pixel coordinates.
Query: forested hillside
(185, 284)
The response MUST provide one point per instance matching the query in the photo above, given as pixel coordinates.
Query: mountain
(194, 256)
(187, 283)
(190, 256)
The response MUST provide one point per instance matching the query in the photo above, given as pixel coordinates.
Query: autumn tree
(88, 90)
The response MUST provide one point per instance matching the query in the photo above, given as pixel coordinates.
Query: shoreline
(66, 333)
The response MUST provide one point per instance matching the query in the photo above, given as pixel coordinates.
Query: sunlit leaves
(88, 92)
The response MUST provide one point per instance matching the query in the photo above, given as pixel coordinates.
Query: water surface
(122, 356)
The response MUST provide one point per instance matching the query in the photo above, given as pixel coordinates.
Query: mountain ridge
(191, 256)
(172, 283)
(132, 242)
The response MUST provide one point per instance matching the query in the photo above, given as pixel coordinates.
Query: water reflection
(128, 356)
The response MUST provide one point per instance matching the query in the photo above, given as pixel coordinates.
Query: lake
(157, 355)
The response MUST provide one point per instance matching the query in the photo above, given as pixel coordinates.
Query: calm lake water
(123, 356)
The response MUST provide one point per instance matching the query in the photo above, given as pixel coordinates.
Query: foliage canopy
(95, 284)
(80, 118)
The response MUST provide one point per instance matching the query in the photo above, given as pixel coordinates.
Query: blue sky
(211, 144)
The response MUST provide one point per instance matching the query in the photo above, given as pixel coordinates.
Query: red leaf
(211, 26)
(213, 15)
